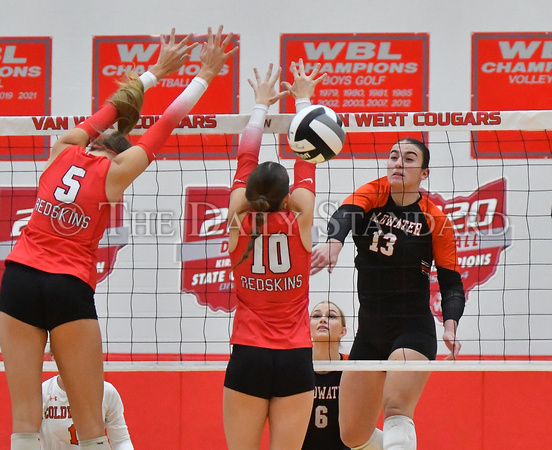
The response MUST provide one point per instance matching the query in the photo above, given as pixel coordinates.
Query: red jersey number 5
(68, 194)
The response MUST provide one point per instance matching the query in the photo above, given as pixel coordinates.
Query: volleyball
(316, 134)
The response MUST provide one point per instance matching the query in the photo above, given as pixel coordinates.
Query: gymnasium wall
(183, 410)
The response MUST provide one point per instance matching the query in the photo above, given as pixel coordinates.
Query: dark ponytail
(266, 188)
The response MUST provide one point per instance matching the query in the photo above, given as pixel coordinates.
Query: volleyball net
(165, 293)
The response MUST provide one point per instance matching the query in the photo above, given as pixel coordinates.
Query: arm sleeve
(154, 138)
(342, 221)
(453, 300)
(304, 175)
(100, 121)
(250, 145)
(303, 172)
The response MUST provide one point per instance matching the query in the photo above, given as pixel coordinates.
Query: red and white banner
(114, 56)
(512, 71)
(25, 89)
(366, 73)
(16, 207)
(206, 267)
(483, 232)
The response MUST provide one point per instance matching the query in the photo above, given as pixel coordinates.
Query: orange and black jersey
(396, 247)
(323, 429)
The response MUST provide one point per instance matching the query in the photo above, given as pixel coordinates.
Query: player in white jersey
(58, 431)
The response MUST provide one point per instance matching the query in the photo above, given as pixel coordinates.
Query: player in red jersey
(398, 235)
(270, 373)
(48, 285)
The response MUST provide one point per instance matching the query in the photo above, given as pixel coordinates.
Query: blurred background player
(398, 234)
(58, 431)
(270, 374)
(328, 326)
(50, 278)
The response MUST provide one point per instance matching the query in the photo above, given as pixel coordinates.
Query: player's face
(326, 323)
(404, 167)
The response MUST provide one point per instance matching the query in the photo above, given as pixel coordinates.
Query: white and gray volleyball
(316, 134)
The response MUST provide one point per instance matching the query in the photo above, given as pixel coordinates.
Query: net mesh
(165, 296)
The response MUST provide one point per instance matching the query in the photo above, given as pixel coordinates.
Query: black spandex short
(267, 373)
(45, 300)
(379, 336)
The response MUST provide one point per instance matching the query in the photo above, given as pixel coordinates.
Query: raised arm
(250, 142)
(172, 57)
(304, 187)
(266, 95)
(126, 166)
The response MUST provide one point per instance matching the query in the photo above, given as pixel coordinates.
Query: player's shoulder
(431, 208)
(376, 186)
(373, 193)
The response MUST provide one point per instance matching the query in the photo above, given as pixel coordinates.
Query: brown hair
(266, 188)
(421, 146)
(128, 100)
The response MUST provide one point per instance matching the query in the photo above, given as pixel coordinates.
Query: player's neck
(405, 198)
(324, 351)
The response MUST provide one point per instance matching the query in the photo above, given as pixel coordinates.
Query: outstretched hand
(172, 56)
(213, 56)
(303, 84)
(325, 254)
(265, 90)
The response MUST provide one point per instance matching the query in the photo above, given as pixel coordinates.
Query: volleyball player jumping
(270, 373)
(50, 277)
(398, 234)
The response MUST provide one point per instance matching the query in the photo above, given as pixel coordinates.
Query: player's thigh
(77, 349)
(402, 389)
(23, 354)
(360, 402)
(288, 419)
(244, 417)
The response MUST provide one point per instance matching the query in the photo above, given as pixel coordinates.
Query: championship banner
(16, 207)
(511, 71)
(114, 56)
(482, 231)
(366, 73)
(206, 267)
(25, 89)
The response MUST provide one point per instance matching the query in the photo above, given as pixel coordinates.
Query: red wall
(458, 411)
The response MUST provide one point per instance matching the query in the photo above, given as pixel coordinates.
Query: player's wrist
(148, 79)
(302, 102)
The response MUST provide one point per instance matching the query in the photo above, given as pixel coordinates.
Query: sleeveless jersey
(323, 430)
(396, 246)
(58, 432)
(272, 285)
(69, 217)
